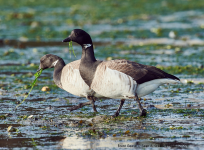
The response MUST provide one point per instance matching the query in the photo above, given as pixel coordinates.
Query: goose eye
(76, 34)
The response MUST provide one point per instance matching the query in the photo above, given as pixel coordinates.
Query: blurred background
(51, 21)
(168, 34)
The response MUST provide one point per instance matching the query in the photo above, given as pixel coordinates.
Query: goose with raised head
(118, 79)
(68, 78)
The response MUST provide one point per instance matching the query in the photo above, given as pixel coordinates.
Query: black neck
(58, 71)
(88, 54)
(88, 64)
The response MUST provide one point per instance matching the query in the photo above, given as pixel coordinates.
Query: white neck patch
(54, 63)
(86, 45)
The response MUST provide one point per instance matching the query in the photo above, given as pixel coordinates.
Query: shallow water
(175, 117)
(175, 112)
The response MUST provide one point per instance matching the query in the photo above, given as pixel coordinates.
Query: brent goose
(119, 79)
(68, 78)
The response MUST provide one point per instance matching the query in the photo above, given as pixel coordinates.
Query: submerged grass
(37, 74)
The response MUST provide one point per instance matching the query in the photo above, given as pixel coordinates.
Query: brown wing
(140, 73)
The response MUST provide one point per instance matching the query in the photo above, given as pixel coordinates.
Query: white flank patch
(117, 85)
(150, 86)
(54, 63)
(86, 45)
(114, 84)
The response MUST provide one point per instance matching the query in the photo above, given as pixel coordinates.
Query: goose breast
(72, 82)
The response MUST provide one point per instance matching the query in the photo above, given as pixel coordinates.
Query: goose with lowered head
(68, 78)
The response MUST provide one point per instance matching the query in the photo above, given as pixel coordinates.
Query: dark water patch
(7, 99)
(174, 144)
(16, 142)
(5, 126)
(11, 64)
(29, 142)
(23, 45)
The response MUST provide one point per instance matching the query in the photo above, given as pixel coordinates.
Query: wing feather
(140, 73)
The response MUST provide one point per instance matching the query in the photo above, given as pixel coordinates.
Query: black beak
(68, 39)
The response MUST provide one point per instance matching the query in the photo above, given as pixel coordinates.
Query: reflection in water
(81, 143)
(123, 142)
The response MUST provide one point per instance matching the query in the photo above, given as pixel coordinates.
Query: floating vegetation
(12, 129)
(173, 128)
(2, 117)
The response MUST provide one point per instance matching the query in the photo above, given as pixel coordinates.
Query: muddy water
(175, 112)
(175, 117)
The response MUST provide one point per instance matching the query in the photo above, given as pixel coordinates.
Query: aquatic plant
(37, 74)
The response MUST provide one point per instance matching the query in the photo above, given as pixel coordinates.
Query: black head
(48, 61)
(79, 36)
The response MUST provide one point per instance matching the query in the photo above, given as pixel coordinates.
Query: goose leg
(119, 108)
(143, 112)
(92, 100)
